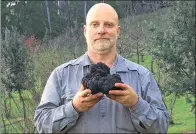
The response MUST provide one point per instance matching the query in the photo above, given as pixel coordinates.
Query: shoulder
(75, 62)
(132, 66)
(69, 66)
(139, 68)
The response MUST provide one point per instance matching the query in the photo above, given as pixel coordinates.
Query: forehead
(101, 15)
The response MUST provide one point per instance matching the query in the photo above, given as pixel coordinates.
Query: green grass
(184, 119)
(16, 109)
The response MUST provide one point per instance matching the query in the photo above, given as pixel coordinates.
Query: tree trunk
(85, 9)
(142, 57)
(173, 101)
(130, 7)
(23, 106)
(4, 126)
(151, 64)
(48, 15)
(6, 110)
(138, 55)
(159, 74)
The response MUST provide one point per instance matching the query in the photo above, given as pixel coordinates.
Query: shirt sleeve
(150, 114)
(50, 116)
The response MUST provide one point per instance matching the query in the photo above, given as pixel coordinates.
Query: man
(67, 107)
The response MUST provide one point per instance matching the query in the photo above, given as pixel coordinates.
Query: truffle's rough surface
(99, 79)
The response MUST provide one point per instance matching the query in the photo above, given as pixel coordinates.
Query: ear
(118, 30)
(84, 27)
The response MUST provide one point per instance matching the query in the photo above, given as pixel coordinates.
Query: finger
(96, 100)
(85, 92)
(93, 97)
(117, 92)
(117, 98)
(122, 86)
(98, 95)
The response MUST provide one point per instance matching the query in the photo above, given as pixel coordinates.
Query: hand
(84, 100)
(127, 97)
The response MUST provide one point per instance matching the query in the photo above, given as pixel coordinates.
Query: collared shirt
(55, 112)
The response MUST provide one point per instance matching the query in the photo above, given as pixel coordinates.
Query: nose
(101, 30)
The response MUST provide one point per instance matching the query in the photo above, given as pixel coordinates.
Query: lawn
(184, 119)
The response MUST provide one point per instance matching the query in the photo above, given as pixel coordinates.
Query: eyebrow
(96, 21)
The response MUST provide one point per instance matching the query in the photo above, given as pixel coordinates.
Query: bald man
(67, 107)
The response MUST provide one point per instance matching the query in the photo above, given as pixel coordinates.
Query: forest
(38, 36)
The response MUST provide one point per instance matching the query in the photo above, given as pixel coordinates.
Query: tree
(17, 68)
(174, 48)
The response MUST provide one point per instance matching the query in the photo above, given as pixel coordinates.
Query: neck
(108, 58)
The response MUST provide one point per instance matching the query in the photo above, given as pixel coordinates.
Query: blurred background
(37, 36)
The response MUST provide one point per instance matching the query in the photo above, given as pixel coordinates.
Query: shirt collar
(87, 60)
(83, 60)
(120, 65)
(123, 65)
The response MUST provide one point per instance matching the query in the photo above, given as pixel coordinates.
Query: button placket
(103, 117)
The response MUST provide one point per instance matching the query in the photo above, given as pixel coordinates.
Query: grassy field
(184, 119)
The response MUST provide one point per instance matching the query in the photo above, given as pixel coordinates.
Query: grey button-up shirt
(55, 112)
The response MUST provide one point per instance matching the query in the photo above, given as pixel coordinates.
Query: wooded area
(37, 36)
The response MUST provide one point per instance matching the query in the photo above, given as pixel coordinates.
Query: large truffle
(99, 79)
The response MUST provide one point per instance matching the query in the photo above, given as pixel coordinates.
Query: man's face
(101, 30)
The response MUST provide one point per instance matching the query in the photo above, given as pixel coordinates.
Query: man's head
(101, 29)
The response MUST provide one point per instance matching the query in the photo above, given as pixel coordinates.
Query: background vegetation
(39, 36)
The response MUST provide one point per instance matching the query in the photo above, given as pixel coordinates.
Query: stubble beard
(103, 46)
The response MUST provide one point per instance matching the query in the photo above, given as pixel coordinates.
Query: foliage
(17, 74)
(174, 48)
(53, 18)
(17, 65)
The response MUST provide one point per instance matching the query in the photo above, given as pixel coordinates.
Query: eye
(109, 25)
(94, 24)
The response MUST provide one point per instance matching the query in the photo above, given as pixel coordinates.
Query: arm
(50, 116)
(150, 113)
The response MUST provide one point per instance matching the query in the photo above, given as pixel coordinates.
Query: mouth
(101, 39)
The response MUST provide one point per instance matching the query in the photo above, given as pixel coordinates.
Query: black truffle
(99, 79)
